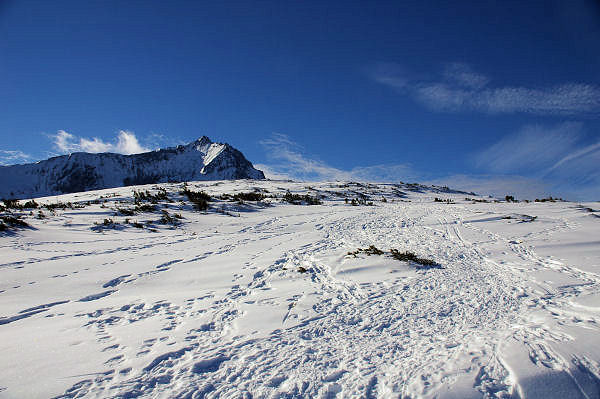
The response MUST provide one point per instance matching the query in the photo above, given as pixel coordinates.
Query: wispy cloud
(288, 161)
(521, 164)
(459, 88)
(590, 151)
(555, 155)
(530, 149)
(11, 157)
(125, 143)
(462, 75)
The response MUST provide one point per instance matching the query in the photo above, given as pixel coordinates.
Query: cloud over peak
(11, 157)
(126, 143)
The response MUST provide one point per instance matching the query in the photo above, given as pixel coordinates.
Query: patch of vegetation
(252, 196)
(147, 196)
(521, 218)
(12, 204)
(126, 211)
(144, 208)
(361, 201)
(107, 223)
(477, 200)
(136, 224)
(549, 199)
(406, 256)
(297, 199)
(446, 201)
(422, 263)
(198, 198)
(8, 222)
(371, 250)
(31, 204)
(58, 205)
(167, 218)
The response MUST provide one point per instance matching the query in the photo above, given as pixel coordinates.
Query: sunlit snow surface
(219, 306)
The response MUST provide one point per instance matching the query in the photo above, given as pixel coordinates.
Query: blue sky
(500, 97)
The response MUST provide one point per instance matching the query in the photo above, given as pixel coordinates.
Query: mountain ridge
(201, 159)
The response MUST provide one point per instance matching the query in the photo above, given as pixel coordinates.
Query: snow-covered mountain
(199, 160)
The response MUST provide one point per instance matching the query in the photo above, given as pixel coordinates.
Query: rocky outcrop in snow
(199, 160)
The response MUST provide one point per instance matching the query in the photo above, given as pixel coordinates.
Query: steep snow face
(199, 160)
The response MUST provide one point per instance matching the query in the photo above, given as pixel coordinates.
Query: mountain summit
(199, 160)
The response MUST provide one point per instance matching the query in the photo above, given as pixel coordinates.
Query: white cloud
(12, 157)
(290, 163)
(531, 149)
(578, 155)
(126, 143)
(272, 174)
(389, 74)
(554, 156)
(459, 88)
(463, 75)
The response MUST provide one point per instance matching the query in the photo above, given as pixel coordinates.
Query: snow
(213, 151)
(261, 299)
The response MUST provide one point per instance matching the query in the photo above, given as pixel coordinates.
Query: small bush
(166, 218)
(198, 198)
(126, 211)
(361, 200)
(12, 204)
(421, 263)
(10, 221)
(147, 196)
(411, 257)
(144, 208)
(253, 196)
(446, 201)
(476, 200)
(31, 204)
(298, 199)
(371, 250)
(58, 205)
(549, 199)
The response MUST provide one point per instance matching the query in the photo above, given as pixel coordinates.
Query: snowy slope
(261, 299)
(199, 160)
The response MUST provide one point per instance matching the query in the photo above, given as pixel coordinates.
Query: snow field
(266, 302)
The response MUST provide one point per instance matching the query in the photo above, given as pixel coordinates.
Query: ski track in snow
(221, 309)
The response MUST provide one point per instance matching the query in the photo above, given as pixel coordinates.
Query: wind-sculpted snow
(199, 160)
(262, 299)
